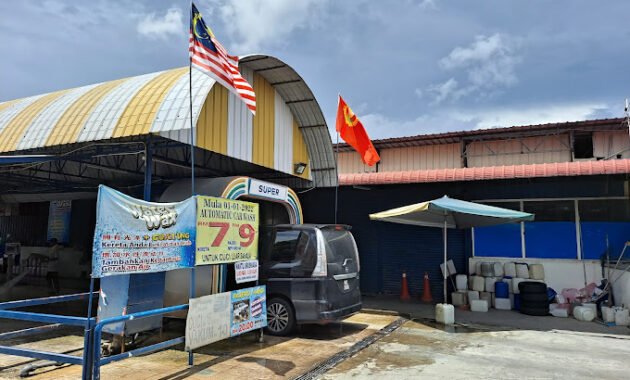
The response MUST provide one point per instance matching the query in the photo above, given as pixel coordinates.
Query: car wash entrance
(281, 207)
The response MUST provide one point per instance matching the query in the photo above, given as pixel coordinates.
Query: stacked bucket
(494, 284)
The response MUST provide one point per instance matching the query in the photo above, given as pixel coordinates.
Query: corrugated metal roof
(560, 169)
(155, 102)
(495, 133)
(300, 99)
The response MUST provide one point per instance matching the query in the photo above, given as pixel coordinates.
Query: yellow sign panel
(227, 231)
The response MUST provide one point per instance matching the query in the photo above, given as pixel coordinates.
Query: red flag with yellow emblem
(352, 132)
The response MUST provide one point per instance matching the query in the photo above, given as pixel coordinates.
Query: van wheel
(280, 317)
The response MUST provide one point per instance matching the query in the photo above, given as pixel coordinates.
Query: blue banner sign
(135, 236)
(59, 220)
(248, 310)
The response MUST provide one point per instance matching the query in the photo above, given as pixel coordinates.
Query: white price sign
(208, 320)
(246, 271)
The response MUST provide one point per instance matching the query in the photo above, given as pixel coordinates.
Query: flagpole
(337, 172)
(191, 291)
(192, 130)
(337, 162)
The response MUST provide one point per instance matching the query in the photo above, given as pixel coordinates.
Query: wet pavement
(504, 319)
(420, 350)
(238, 358)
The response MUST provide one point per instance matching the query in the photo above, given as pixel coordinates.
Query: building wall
(611, 144)
(387, 249)
(444, 156)
(521, 151)
(530, 150)
(350, 162)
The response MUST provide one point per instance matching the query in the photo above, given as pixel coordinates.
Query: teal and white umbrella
(448, 213)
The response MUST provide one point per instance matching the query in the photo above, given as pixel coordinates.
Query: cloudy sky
(406, 67)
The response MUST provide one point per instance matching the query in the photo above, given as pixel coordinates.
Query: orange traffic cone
(426, 295)
(404, 289)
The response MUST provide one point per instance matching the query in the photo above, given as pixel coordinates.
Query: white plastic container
(556, 311)
(450, 267)
(515, 282)
(461, 280)
(509, 269)
(608, 314)
(502, 304)
(486, 297)
(582, 313)
(536, 271)
(522, 271)
(480, 306)
(478, 283)
(622, 317)
(478, 268)
(509, 282)
(487, 269)
(472, 295)
(591, 306)
(489, 284)
(445, 314)
(498, 269)
(459, 298)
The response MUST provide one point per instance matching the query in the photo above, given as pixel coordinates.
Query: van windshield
(341, 251)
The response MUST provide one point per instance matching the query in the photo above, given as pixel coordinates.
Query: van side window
(294, 254)
(284, 246)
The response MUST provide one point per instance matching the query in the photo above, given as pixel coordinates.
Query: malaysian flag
(207, 55)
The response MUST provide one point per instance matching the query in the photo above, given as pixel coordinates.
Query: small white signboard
(264, 189)
(246, 271)
(208, 320)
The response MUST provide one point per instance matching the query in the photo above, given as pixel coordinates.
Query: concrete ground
(423, 351)
(496, 318)
(238, 358)
(498, 344)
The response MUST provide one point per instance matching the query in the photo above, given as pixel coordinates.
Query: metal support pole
(148, 170)
(445, 254)
(88, 361)
(191, 295)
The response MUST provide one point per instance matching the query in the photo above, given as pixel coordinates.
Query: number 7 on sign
(223, 229)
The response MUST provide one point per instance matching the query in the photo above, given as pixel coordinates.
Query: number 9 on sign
(248, 233)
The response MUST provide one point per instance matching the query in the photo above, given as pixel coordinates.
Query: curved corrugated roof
(154, 103)
(300, 99)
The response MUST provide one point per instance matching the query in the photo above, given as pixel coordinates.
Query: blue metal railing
(57, 321)
(98, 330)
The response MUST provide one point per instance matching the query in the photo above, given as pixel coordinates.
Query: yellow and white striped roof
(158, 103)
(151, 103)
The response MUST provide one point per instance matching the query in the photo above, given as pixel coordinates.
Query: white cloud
(379, 126)
(255, 24)
(428, 4)
(156, 27)
(508, 117)
(446, 90)
(489, 64)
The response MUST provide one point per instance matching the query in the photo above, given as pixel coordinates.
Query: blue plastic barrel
(501, 289)
(517, 302)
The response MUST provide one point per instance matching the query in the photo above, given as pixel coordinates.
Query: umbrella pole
(445, 266)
